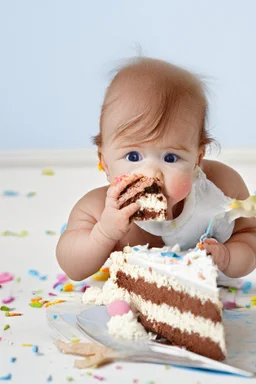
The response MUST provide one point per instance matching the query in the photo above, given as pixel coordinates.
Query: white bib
(201, 205)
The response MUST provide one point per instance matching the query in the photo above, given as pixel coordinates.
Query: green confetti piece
(36, 305)
(7, 314)
(4, 308)
(232, 289)
(69, 379)
(51, 233)
(7, 326)
(23, 234)
(31, 194)
(18, 279)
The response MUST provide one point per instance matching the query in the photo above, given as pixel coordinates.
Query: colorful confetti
(13, 314)
(7, 326)
(100, 378)
(47, 172)
(8, 300)
(5, 277)
(13, 359)
(35, 348)
(31, 194)
(49, 232)
(9, 193)
(247, 285)
(7, 377)
(4, 308)
(16, 234)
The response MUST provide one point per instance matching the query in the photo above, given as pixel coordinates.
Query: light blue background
(55, 56)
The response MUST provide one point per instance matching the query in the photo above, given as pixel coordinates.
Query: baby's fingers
(129, 210)
(119, 184)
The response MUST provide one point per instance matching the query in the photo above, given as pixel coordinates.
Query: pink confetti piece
(230, 305)
(100, 378)
(52, 294)
(8, 300)
(61, 278)
(5, 277)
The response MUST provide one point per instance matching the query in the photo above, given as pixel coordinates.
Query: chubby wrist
(99, 235)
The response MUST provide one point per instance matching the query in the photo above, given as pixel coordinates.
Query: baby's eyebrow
(176, 148)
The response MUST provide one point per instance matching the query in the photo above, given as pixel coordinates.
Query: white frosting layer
(161, 313)
(153, 275)
(152, 201)
(194, 268)
(126, 327)
(185, 321)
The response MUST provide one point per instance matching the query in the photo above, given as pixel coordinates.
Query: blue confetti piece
(12, 359)
(58, 287)
(63, 228)
(33, 272)
(35, 348)
(10, 193)
(136, 249)
(247, 285)
(7, 377)
(55, 316)
(43, 277)
(171, 254)
(49, 379)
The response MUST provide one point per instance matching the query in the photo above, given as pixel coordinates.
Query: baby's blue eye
(133, 156)
(171, 158)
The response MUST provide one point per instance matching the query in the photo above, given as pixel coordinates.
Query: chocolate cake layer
(154, 189)
(146, 214)
(139, 187)
(162, 295)
(191, 341)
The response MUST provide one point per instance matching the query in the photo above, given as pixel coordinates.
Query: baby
(153, 123)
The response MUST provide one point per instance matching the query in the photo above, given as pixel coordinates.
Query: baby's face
(172, 158)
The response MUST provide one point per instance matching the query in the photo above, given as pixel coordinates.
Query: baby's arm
(95, 226)
(237, 257)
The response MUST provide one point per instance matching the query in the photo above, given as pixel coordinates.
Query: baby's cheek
(180, 186)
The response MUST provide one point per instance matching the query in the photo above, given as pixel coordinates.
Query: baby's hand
(218, 251)
(115, 222)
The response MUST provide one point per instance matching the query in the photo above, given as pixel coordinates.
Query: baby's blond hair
(167, 87)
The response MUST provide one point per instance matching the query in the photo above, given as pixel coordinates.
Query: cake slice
(147, 192)
(175, 295)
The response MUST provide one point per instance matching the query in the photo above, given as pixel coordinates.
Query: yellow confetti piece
(101, 276)
(27, 345)
(47, 172)
(50, 303)
(68, 287)
(35, 299)
(75, 341)
(253, 298)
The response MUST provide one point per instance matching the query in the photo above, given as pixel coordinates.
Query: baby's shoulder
(92, 203)
(226, 178)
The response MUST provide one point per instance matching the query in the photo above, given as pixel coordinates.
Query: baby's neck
(174, 211)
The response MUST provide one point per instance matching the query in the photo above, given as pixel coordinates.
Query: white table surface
(48, 210)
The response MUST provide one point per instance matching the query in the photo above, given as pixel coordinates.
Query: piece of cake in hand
(175, 295)
(147, 192)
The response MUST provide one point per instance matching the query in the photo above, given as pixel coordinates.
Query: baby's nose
(153, 172)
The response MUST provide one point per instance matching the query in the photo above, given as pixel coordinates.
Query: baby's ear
(201, 154)
(104, 165)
